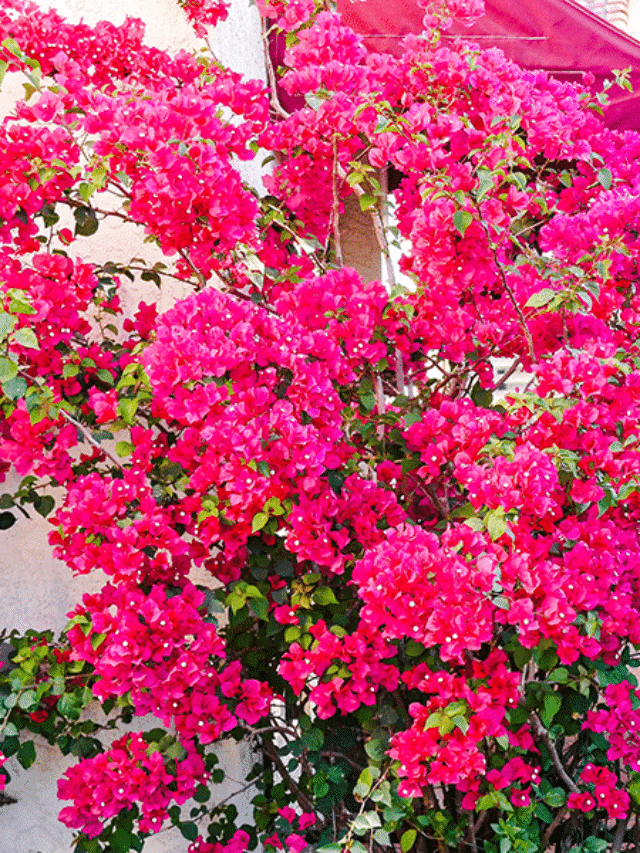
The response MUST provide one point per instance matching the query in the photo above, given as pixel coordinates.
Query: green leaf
(259, 521)
(634, 788)
(496, 525)
(70, 370)
(555, 798)
(408, 465)
(461, 722)
(17, 306)
(26, 754)
(15, 388)
(595, 845)
(202, 794)
(69, 707)
(540, 299)
(7, 324)
(367, 201)
(26, 338)
(559, 675)
(86, 221)
(121, 840)
(127, 409)
(97, 640)
(189, 830)
(13, 47)
(551, 706)
(313, 100)
(407, 840)
(313, 739)
(85, 191)
(485, 183)
(324, 595)
(462, 219)
(28, 700)
(124, 448)
(366, 821)
(375, 749)
(336, 481)
(8, 369)
(260, 607)
(605, 178)
(363, 786)
(7, 520)
(543, 813)
(383, 838)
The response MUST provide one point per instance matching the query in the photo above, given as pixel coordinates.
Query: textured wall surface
(37, 591)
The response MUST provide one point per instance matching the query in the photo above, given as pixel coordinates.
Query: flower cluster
(443, 744)
(205, 13)
(350, 668)
(129, 773)
(620, 722)
(237, 844)
(160, 650)
(603, 793)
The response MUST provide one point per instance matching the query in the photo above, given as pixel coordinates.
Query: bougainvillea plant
(420, 612)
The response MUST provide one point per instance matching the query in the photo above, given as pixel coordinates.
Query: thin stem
(199, 275)
(276, 106)
(90, 438)
(506, 285)
(335, 207)
(295, 789)
(3, 725)
(506, 375)
(400, 384)
(558, 819)
(378, 227)
(235, 793)
(343, 757)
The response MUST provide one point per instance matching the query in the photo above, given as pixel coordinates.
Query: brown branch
(71, 202)
(343, 757)
(505, 284)
(276, 106)
(618, 838)
(506, 375)
(558, 819)
(334, 224)
(198, 274)
(543, 734)
(90, 438)
(472, 834)
(304, 802)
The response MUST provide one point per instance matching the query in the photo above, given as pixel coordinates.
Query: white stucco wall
(633, 25)
(37, 591)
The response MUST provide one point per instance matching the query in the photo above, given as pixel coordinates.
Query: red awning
(559, 36)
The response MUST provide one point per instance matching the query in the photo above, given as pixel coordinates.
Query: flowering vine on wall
(422, 614)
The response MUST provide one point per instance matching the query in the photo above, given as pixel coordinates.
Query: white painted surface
(38, 591)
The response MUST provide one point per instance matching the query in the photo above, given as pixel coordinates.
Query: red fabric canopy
(559, 36)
